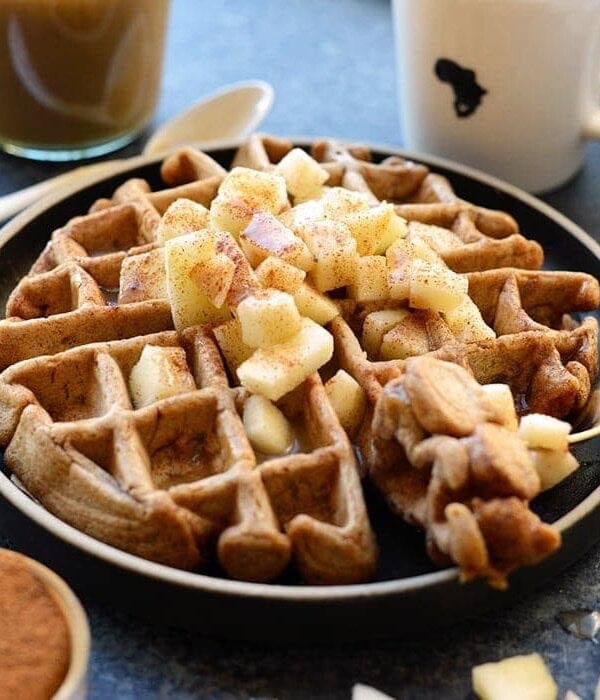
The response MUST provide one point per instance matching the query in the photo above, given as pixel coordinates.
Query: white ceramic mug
(508, 86)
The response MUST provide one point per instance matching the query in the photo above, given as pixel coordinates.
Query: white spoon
(234, 111)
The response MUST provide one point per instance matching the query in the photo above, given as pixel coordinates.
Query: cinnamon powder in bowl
(44, 637)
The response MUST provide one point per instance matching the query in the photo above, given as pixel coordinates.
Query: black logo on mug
(467, 91)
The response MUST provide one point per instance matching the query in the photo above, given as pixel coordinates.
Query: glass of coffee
(78, 78)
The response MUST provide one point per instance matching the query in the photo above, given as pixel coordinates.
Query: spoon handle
(11, 204)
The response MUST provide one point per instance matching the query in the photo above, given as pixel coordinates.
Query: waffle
(448, 462)
(177, 480)
(473, 237)
(550, 369)
(70, 296)
(549, 360)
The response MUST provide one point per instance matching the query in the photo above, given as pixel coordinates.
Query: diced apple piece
(159, 373)
(273, 372)
(229, 339)
(314, 305)
(438, 239)
(268, 430)
(265, 236)
(311, 210)
(399, 280)
(231, 215)
(376, 228)
(371, 283)
(395, 230)
(348, 399)
(302, 174)
(314, 196)
(255, 186)
(189, 303)
(334, 251)
(539, 430)
(244, 280)
(571, 695)
(376, 325)
(277, 274)
(435, 288)
(365, 692)
(503, 400)
(143, 277)
(466, 323)
(516, 677)
(407, 339)
(400, 255)
(268, 317)
(181, 217)
(215, 277)
(414, 248)
(338, 202)
(553, 466)
(243, 193)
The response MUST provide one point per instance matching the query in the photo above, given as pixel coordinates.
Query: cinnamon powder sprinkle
(35, 646)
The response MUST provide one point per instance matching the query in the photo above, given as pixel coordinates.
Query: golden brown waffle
(69, 297)
(550, 368)
(447, 462)
(177, 480)
(550, 363)
(473, 237)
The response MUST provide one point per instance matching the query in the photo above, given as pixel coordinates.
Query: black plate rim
(227, 587)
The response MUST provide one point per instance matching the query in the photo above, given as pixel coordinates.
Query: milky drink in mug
(78, 77)
(508, 86)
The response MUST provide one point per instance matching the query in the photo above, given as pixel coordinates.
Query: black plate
(408, 592)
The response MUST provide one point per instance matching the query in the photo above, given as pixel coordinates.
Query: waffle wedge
(176, 480)
(448, 461)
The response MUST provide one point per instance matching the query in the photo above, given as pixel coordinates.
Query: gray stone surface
(331, 63)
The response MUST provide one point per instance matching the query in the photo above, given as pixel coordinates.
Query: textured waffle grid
(478, 238)
(68, 298)
(168, 480)
(549, 360)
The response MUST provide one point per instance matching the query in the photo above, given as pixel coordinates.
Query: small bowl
(74, 686)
